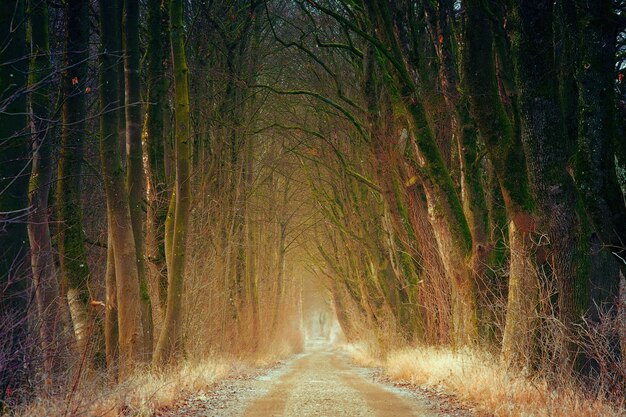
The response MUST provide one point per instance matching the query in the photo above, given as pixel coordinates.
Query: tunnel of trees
(173, 174)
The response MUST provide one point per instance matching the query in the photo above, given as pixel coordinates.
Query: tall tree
(14, 170)
(73, 262)
(545, 145)
(156, 181)
(129, 320)
(44, 270)
(594, 162)
(397, 38)
(595, 167)
(135, 170)
(498, 128)
(169, 345)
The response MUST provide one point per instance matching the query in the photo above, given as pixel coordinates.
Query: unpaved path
(321, 382)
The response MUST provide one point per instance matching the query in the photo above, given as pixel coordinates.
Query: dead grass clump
(477, 378)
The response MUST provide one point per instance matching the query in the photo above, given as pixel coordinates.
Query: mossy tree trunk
(42, 261)
(401, 242)
(507, 157)
(169, 346)
(156, 181)
(73, 262)
(440, 20)
(444, 204)
(595, 30)
(14, 161)
(130, 333)
(545, 147)
(594, 167)
(135, 177)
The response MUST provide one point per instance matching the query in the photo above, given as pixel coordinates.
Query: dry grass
(477, 378)
(147, 391)
(139, 396)
(362, 354)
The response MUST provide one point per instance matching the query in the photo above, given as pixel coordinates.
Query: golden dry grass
(477, 378)
(141, 395)
(95, 394)
(148, 391)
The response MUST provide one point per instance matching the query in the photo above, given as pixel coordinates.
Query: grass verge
(141, 395)
(478, 379)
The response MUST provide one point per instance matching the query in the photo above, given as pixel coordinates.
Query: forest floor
(323, 381)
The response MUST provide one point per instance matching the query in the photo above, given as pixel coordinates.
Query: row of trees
(144, 220)
(477, 198)
(28, 144)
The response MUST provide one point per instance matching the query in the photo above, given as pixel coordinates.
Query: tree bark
(169, 347)
(111, 331)
(545, 147)
(594, 168)
(73, 262)
(156, 181)
(135, 177)
(444, 205)
(127, 279)
(522, 300)
(507, 157)
(465, 137)
(42, 262)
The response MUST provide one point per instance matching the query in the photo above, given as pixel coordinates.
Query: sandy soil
(320, 382)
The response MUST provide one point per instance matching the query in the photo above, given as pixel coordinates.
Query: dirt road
(321, 382)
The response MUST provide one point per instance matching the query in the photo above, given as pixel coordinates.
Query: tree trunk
(73, 261)
(14, 161)
(506, 155)
(157, 182)
(127, 279)
(594, 167)
(545, 147)
(252, 292)
(111, 331)
(456, 257)
(44, 270)
(465, 135)
(134, 155)
(280, 276)
(444, 205)
(169, 346)
(522, 300)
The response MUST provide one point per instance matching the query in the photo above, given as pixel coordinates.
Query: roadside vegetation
(478, 380)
